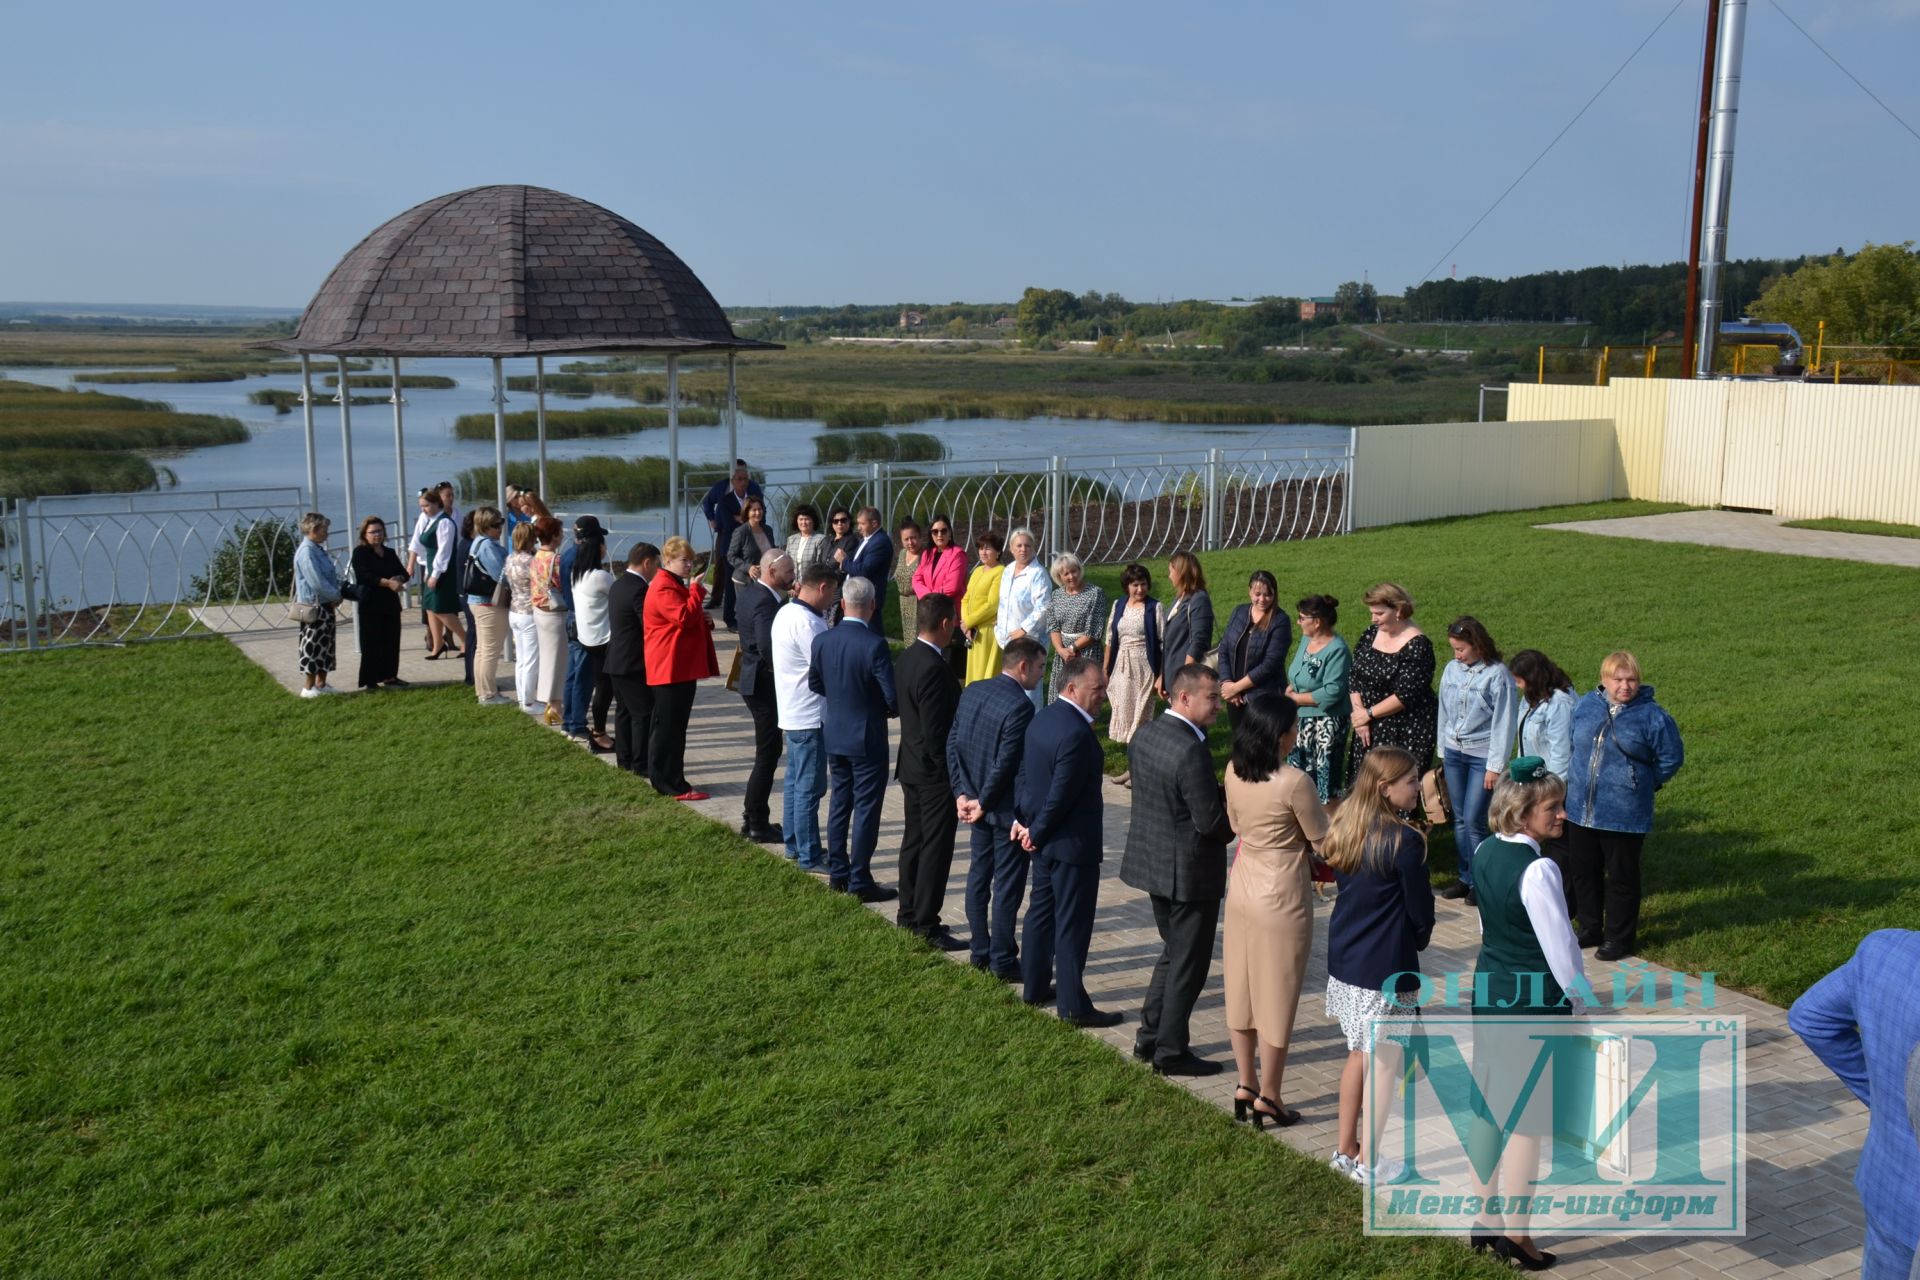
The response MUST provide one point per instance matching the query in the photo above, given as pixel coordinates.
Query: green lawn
(1790, 832)
(1879, 528)
(399, 985)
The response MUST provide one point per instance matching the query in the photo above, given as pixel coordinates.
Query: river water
(276, 453)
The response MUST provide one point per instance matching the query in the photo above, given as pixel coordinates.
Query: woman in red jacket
(679, 650)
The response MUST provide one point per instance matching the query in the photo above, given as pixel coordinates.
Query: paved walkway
(1804, 1130)
(1749, 531)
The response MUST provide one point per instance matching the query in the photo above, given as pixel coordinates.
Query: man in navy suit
(853, 671)
(928, 694)
(872, 559)
(1060, 822)
(983, 760)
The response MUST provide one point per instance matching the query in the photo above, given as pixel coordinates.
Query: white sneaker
(309, 692)
(326, 690)
(1386, 1172)
(497, 700)
(1342, 1163)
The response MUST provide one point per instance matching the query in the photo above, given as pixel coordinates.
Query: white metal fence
(115, 568)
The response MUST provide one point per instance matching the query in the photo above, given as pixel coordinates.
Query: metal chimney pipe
(1713, 241)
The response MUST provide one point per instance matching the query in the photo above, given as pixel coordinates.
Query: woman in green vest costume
(1529, 966)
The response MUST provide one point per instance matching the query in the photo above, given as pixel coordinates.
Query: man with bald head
(759, 601)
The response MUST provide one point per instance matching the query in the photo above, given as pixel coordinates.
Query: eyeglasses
(940, 531)
(839, 520)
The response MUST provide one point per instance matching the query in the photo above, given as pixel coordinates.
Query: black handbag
(478, 581)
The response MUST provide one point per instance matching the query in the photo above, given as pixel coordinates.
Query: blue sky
(215, 153)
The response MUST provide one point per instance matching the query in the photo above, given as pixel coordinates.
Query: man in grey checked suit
(983, 759)
(1177, 855)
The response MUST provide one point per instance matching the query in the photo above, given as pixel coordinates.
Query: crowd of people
(1337, 751)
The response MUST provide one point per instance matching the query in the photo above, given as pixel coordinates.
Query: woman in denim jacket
(1476, 730)
(1625, 748)
(1546, 730)
(315, 581)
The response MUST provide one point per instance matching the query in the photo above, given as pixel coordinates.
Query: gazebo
(506, 271)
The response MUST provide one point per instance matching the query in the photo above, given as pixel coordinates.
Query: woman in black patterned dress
(1393, 699)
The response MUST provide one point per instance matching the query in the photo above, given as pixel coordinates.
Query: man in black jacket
(928, 696)
(756, 605)
(626, 659)
(1177, 854)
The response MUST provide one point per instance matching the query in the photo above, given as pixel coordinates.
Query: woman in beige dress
(1269, 928)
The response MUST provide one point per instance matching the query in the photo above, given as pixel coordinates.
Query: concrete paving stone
(1749, 531)
(1826, 1133)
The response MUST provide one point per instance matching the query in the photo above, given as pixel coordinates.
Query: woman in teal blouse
(1317, 683)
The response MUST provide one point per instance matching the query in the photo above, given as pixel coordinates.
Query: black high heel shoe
(1240, 1104)
(1282, 1117)
(1512, 1252)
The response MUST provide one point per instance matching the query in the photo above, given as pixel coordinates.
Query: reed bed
(417, 381)
(35, 473)
(579, 424)
(877, 446)
(625, 482)
(288, 401)
(122, 377)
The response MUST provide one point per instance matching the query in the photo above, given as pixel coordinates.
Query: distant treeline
(1618, 301)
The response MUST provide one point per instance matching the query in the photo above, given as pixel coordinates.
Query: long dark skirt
(379, 636)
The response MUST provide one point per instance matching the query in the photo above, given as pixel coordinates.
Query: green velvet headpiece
(1527, 769)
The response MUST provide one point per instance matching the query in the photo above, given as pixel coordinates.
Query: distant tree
(957, 327)
(1347, 298)
(1367, 302)
(1871, 298)
(1041, 311)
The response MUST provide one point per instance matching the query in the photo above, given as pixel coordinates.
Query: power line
(1843, 70)
(1556, 139)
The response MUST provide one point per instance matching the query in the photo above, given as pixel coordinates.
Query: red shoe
(693, 795)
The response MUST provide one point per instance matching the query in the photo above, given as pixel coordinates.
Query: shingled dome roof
(510, 271)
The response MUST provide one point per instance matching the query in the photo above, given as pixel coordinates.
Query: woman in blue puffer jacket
(1625, 748)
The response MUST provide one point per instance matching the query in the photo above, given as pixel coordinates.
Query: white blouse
(1023, 601)
(591, 615)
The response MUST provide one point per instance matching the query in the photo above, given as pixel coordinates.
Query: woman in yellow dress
(979, 607)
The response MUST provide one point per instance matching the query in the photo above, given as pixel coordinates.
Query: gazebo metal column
(500, 437)
(733, 415)
(540, 417)
(346, 435)
(673, 446)
(399, 450)
(306, 414)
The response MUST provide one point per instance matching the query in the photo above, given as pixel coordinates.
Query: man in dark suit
(983, 761)
(872, 557)
(627, 659)
(758, 602)
(1060, 821)
(1177, 855)
(852, 671)
(928, 696)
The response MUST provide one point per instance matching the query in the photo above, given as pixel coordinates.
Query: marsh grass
(414, 381)
(576, 424)
(35, 473)
(627, 482)
(54, 441)
(288, 401)
(125, 376)
(877, 446)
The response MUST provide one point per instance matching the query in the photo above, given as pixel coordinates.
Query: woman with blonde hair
(1073, 617)
(487, 600)
(431, 553)
(679, 653)
(518, 575)
(1528, 967)
(1023, 599)
(1381, 922)
(316, 584)
(550, 618)
(1391, 681)
(1189, 619)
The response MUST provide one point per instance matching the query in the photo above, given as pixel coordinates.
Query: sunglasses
(839, 520)
(943, 533)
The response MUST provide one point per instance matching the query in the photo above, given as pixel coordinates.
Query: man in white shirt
(802, 712)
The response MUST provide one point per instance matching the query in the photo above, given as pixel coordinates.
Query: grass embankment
(577, 424)
(128, 377)
(299, 1021)
(1788, 834)
(54, 441)
(1878, 528)
(288, 401)
(877, 446)
(626, 482)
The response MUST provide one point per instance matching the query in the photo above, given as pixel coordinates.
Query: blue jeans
(806, 782)
(579, 687)
(1467, 789)
(1884, 1257)
(996, 882)
(853, 819)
